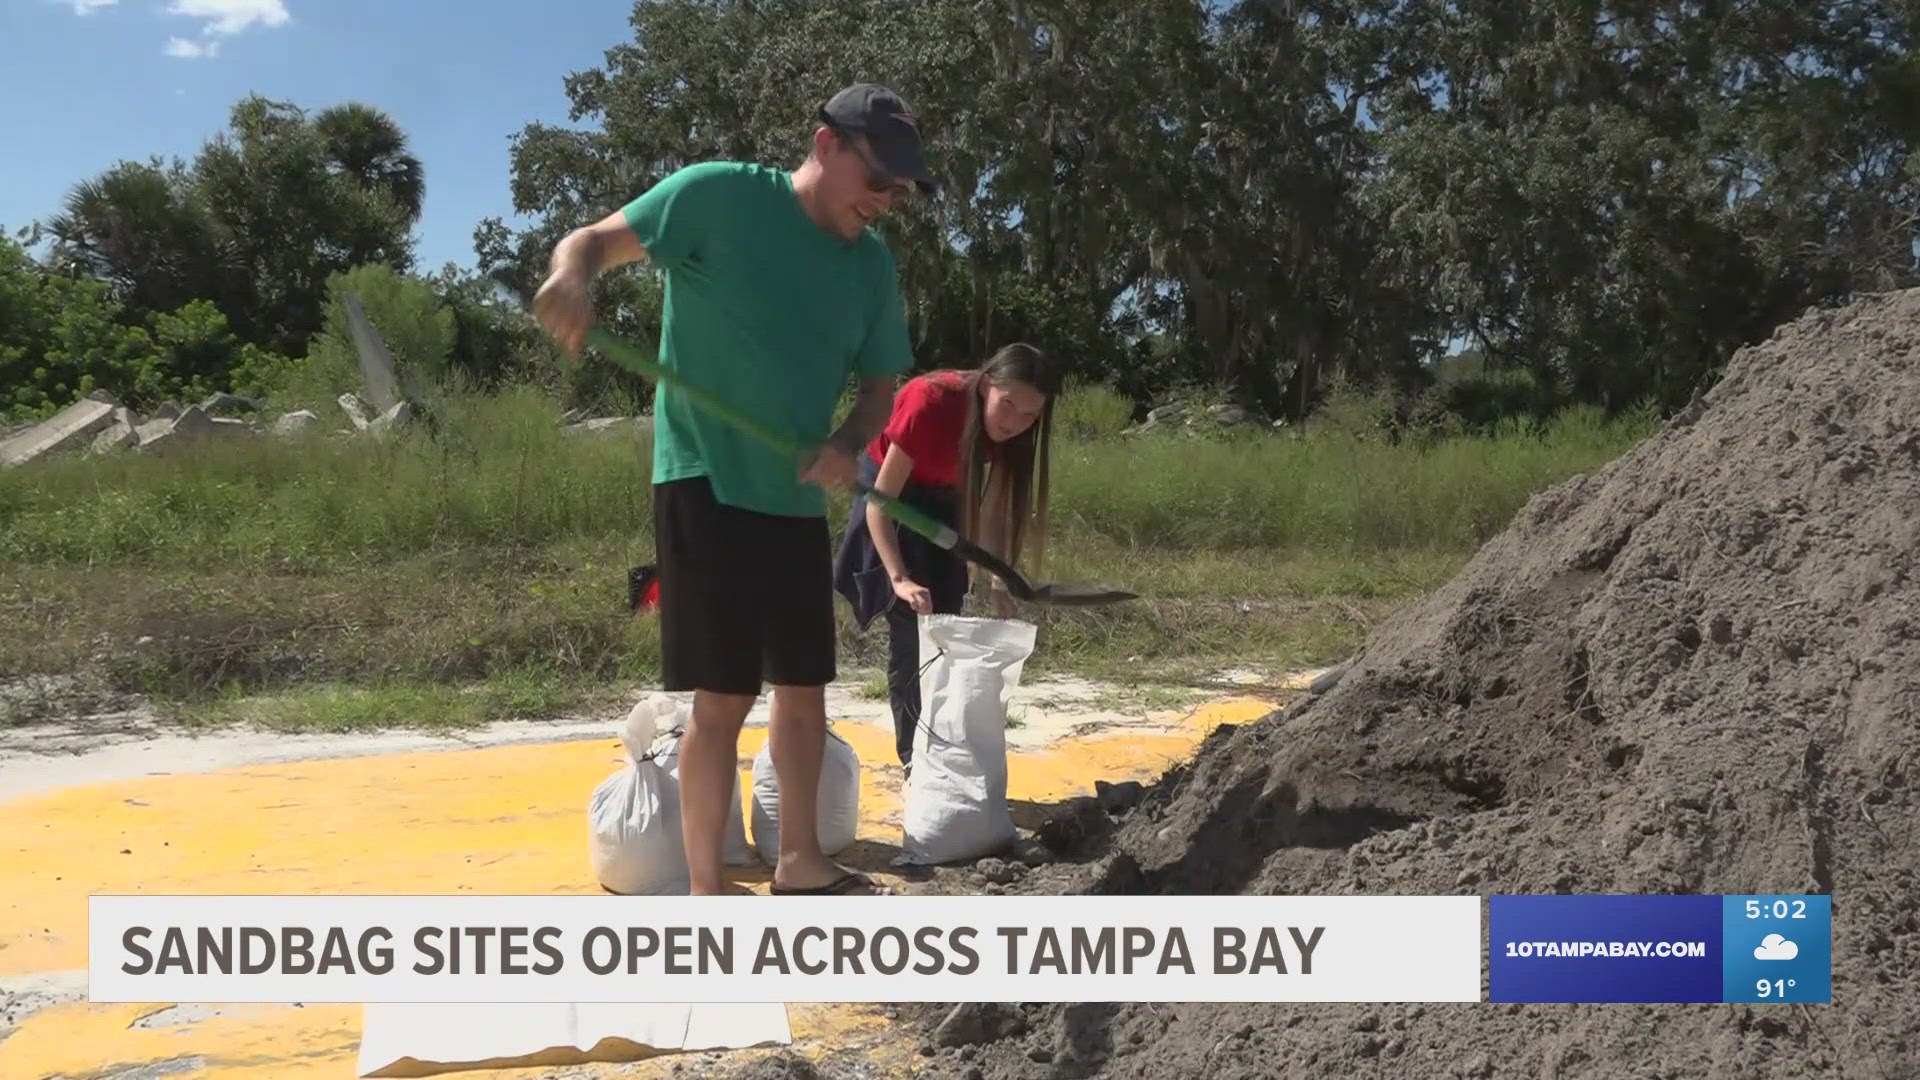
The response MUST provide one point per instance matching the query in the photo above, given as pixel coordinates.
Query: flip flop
(837, 886)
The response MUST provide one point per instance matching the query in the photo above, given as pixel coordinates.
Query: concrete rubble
(225, 405)
(377, 367)
(402, 413)
(356, 410)
(294, 423)
(68, 429)
(119, 433)
(1190, 418)
(99, 424)
(613, 424)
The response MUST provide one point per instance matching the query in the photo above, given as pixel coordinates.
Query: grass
(1138, 699)
(428, 706)
(481, 574)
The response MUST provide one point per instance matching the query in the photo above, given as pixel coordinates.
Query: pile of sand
(1697, 670)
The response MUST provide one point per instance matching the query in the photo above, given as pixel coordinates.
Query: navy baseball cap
(892, 130)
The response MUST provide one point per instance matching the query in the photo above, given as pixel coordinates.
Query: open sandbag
(956, 797)
(839, 802)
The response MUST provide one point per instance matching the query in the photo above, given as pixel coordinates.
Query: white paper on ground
(426, 1040)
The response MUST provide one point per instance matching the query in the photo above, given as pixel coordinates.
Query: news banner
(741, 949)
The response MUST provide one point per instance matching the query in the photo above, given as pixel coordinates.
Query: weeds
(382, 578)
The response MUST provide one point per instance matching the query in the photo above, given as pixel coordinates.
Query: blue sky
(90, 82)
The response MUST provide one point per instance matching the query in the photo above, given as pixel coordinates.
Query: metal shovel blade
(1048, 593)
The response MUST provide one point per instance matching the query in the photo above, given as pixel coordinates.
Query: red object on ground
(643, 588)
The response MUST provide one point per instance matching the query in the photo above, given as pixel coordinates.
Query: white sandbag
(666, 750)
(956, 797)
(633, 820)
(839, 802)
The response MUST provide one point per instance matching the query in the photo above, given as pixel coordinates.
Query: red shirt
(929, 416)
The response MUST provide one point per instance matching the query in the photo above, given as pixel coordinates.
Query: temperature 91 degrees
(1768, 988)
(1777, 909)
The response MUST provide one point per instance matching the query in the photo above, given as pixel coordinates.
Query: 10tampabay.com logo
(1660, 948)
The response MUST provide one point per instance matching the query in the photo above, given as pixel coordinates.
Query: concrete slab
(399, 416)
(223, 404)
(356, 410)
(119, 434)
(294, 423)
(69, 429)
(193, 425)
(622, 425)
(377, 367)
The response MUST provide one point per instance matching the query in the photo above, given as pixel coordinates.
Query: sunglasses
(879, 180)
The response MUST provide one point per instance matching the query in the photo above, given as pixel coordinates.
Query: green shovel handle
(926, 526)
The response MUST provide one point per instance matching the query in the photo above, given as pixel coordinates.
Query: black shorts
(746, 599)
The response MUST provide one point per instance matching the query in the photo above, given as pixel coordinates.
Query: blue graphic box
(1778, 948)
(1660, 948)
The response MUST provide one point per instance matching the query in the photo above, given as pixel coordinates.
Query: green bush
(1091, 411)
(406, 311)
(59, 339)
(63, 337)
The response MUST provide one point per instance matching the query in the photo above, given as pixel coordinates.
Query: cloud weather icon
(1775, 947)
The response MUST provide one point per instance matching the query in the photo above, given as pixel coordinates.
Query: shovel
(940, 534)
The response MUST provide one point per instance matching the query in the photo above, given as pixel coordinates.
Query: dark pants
(862, 579)
(903, 655)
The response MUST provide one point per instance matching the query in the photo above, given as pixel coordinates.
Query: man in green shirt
(777, 293)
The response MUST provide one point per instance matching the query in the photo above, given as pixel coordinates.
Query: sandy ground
(38, 758)
(492, 809)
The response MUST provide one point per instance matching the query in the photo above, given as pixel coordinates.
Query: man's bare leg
(797, 740)
(709, 767)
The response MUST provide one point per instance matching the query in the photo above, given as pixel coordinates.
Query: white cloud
(191, 50)
(88, 7)
(228, 16)
(1775, 947)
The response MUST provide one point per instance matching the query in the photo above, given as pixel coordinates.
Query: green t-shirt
(768, 311)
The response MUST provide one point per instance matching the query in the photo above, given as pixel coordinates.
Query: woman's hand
(914, 594)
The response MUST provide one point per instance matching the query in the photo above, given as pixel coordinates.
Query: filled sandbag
(839, 802)
(633, 819)
(666, 750)
(956, 798)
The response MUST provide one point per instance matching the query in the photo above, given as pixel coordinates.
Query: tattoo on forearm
(868, 417)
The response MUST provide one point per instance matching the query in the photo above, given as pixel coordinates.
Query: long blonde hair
(1025, 458)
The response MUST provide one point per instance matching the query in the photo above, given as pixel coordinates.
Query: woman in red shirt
(969, 448)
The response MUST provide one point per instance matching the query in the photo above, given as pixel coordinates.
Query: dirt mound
(1697, 670)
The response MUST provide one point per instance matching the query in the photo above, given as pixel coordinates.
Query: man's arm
(594, 249)
(871, 408)
(835, 465)
(884, 354)
(564, 304)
